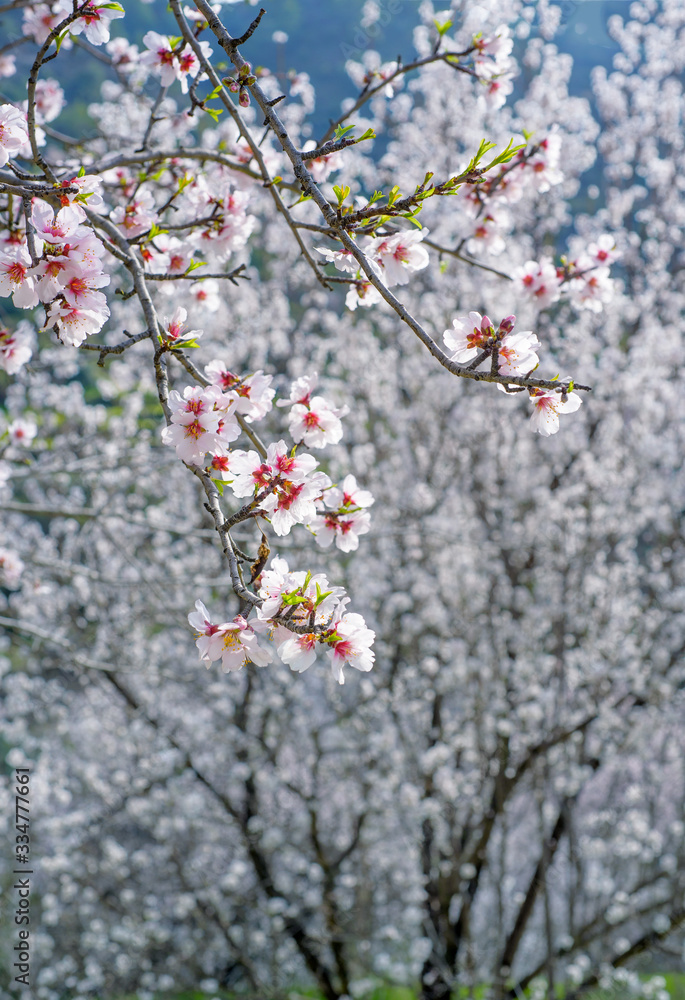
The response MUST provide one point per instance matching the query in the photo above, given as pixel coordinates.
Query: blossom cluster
(65, 275)
(584, 280)
(494, 66)
(289, 600)
(393, 258)
(487, 203)
(474, 336)
(286, 486)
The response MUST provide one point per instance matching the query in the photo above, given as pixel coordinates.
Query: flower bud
(487, 329)
(244, 99)
(507, 324)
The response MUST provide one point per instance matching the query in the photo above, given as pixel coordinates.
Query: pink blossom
(350, 641)
(548, 404)
(544, 164)
(292, 503)
(199, 621)
(252, 395)
(234, 643)
(15, 347)
(343, 259)
(49, 100)
(497, 90)
(22, 431)
(11, 567)
(517, 355)
(80, 290)
(39, 21)
(284, 590)
(87, 193)
(487, 234)
(14, 132)
(173, 329)
(603, 251)
(8, 66)
(468, 336)
(540, 281)
(299, 651)
(56, 228)
(316, 423)
(349, 495)
(74, 324)
(137, 216)
(592, 289)
(362, 293)
(321, 166)
(291, 484)
(343, 527)
(206, 294)
(492, 53)
(300, 390)
(94, 21)
(195, 421)
(15, 279)
(399, 256)
(171, 63)
(124, 55)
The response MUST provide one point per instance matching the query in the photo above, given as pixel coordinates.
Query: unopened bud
(233, 86)
(244, 99)
(507, 324)
(486, 327)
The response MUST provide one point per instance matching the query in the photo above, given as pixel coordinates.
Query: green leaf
(485, 147)
(320, 596)
(341, 193)
(412, 218)
(369, 134)
(219, 485)
(60, 39)
(214, 113)
(342, 130)
(393, 195)
(81, 172)
(442, 29)
(193, 266)
(570, 386)
(505, 155)
(527, 135)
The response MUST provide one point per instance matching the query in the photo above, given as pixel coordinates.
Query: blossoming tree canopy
(159, 220)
